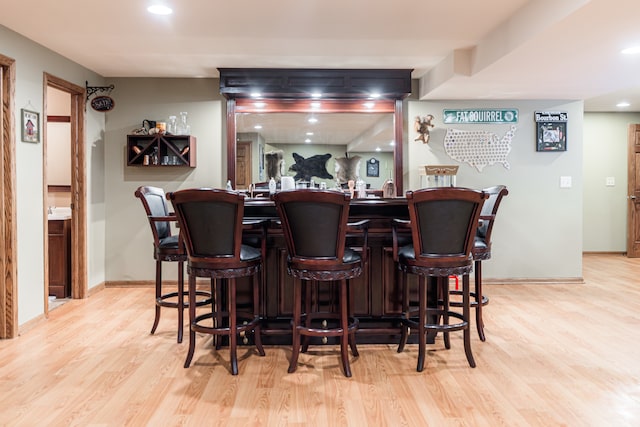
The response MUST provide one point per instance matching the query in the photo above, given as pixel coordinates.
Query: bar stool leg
(158, 295)
(405, 311)
(192, 317)
(233, 331)
(180, 300)
(478, 300)
(344, 325)
(465, 313)
(422, 320)
(257, 331)
(295, 333)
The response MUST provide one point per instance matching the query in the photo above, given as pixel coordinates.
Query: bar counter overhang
(375, 296)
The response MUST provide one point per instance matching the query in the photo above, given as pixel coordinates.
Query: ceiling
(458, 49)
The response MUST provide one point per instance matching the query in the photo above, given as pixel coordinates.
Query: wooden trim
(79, 288)
(59, 119)
(8, 206)
(32, 324)
(398, 132)
(94, 290)
(231, 141)
(59, 188)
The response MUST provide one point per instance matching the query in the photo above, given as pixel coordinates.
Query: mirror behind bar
(342, 91)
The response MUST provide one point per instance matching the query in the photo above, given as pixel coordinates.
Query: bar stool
(443, 225)
(314, 223)
(482, 251)
(211, 225)
(166, 248)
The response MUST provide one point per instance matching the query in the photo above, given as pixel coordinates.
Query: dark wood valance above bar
(291, 83)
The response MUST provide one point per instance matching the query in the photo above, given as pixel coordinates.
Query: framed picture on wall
(551, 131)
(373, 167)
(30, 126)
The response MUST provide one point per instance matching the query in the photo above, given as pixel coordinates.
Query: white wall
(129, 248)
(32, 60)
(538, 232)
(605, 155)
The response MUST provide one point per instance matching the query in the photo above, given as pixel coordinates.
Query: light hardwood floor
(555, 355)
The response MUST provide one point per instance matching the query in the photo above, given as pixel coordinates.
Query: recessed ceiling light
(622, 104)
(313, 120)
(378, 149)
(633, 50)
(256, 94)
(392, 143)
(316, 95)
(160, 9)
(308, 141)
(309, 133)
(374, 95)
(257, 127)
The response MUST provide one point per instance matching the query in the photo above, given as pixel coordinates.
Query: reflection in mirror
(323, 147)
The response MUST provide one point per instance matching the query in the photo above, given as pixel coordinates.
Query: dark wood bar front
(376, 297)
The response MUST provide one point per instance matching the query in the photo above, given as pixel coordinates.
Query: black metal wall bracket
(92, 90)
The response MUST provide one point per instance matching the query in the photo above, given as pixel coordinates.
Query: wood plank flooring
(555, 355)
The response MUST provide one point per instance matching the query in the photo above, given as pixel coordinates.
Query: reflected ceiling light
(369, 104)
(313, 120)
(260, 104)
(315, 105)
(159, 9)
(257, 127)
(623, 104)
(392, 143)
(633, 50)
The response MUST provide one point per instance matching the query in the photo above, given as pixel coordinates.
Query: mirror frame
(292, 90)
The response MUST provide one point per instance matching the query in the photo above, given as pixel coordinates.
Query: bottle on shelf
(154, 156)
(229, 187)
(272, 186)
(183, 128)
(172, 125)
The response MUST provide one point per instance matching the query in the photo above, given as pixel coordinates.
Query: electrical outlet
(565, 182)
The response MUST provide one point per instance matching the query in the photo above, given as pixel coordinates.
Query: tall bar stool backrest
(314, 223)
(155, 205)
(211, 223)
(489, 210)
(446, 219)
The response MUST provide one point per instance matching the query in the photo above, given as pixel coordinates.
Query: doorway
(633, 192)
(243, 165)
(77, 188)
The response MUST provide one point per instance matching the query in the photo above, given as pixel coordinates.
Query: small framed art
(30, 126)
(373, 167)
(551, 131)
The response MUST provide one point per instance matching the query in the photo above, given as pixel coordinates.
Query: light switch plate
(565, 182)
(611, 181)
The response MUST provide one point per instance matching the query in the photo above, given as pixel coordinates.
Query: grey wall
(129, 253)
(538, 234)
(605, 155)
(32, 61)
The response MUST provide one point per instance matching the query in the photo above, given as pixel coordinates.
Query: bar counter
(375, 296)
